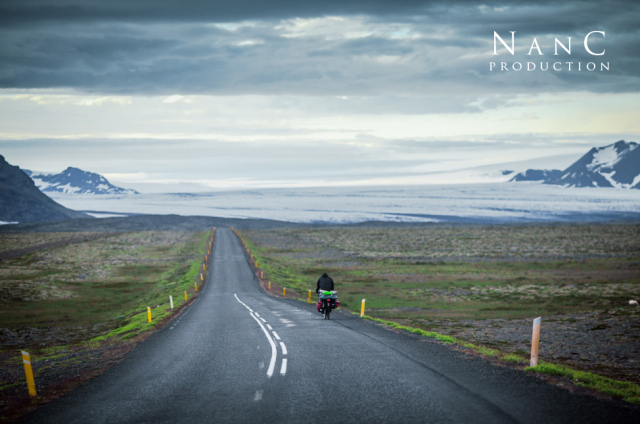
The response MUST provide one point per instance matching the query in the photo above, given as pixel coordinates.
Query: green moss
(487, 352)
(510, 357)
(441, 337)
(10, 385)
(49, 357)
(628, 391)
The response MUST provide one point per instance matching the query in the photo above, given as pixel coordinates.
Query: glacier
(482, 203)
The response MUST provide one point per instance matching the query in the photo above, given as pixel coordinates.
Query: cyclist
(324, 283)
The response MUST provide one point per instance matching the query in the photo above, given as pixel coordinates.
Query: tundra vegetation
(78, 307)
(481, 286)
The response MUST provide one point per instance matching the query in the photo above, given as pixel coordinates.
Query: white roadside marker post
(171, 301)
(535, 341)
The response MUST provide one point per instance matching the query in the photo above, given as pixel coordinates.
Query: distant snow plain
(481, 203)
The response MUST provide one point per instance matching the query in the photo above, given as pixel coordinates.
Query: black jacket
(324, 283)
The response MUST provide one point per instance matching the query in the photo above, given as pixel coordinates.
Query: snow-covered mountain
(616, 165)
(21, 201)
(74, 180)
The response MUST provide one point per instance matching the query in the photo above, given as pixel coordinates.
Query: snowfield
(496, 202)
(605, 158)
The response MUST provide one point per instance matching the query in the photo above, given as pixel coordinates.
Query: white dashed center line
(274, 351)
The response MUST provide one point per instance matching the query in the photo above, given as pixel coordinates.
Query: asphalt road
(238, 355)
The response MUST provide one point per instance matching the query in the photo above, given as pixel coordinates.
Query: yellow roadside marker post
(149, 314)
(309, 296)
(171, 301)
(362, 309)
(284, 291)
(201, 277)
(269, 285)
(535, 341)
(31, 384)
(196, 286)
(185, 295)
(260, 274)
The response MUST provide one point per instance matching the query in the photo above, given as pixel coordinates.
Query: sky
(199, 95)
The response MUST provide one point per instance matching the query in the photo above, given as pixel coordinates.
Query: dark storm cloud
(165, 47)
(26, 11)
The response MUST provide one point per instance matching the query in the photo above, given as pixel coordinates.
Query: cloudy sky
(209, 94)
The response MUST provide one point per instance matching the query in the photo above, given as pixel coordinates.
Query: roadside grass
(157, 297)
(276, 270)
(138, 322)
(627, 391)
(516, 359)
(88, 285)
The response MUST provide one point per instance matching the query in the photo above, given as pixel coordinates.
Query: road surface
(238, 355)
